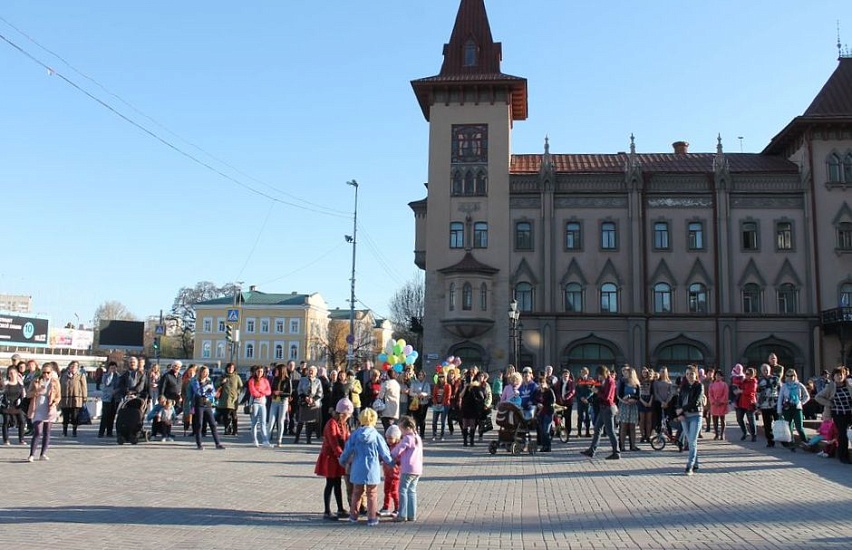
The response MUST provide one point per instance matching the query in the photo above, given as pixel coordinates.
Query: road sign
(350, 339)
(160, 330)
(431, 356)
(233, 315)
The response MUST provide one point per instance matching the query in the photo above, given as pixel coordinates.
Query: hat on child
(393, 432)
(344, 406)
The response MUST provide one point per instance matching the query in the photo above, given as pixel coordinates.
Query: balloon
(386, 366)
(397, 349)
(410, 359)
(457, 362)
(415, 355)
(383, 358)
(401, 343)
(407, 349)
(397, 368)
(451, 358)
(445, 364)
(439, 369)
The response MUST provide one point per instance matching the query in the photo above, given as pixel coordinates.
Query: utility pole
(350, 339)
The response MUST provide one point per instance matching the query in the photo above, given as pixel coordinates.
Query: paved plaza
(95, 494)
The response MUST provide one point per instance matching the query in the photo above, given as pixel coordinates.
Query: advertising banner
(18, 330)
(69, 338)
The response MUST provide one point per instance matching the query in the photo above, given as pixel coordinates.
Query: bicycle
(560, 430)
(665, 434)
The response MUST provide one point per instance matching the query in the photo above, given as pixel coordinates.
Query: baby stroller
(130, 420)
(515, 431)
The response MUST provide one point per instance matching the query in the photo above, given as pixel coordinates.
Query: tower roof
(832, 105)
(472, 60)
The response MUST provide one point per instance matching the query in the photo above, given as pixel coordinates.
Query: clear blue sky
(302, 96)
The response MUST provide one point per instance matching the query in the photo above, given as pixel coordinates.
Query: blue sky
(300, 97)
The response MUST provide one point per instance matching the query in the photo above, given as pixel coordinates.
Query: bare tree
(112, 310)
(183, 309)
(406, 310)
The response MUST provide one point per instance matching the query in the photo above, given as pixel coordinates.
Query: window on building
(263, 348)
(847, 168)
(264, 326)
(250, 326)
(662, 298)
(294, 351)
(590, 356)
(279, 326)
(784, 236)
(661, 235)
(608, 236)
(295, 326)
(677, 357)
(467, 297)
(574, 298)
(249, 351)
(749, 233)
(573, 236)
(483, 297)
(751, 298)
(456, 235)
(844, 236)
(523, 236)
(221, 323)
(834, 169)
(697, 298)
(609, 298)
(469, 187)
(470, 53)
(787, 299)
(524, 296)
(220, 350)
(458, 187)
(470, 143)
(207, 325)
(452, 296)
(695, 235)
(206, 349)
(845, 299)
(480, 235)
(481, 183)
(279, 351)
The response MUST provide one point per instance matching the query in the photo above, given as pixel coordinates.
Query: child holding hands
(409, 454)
(392, 435)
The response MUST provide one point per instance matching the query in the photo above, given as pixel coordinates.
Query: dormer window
(470, 54)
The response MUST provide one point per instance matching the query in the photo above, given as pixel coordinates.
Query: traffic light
(229, 333)
(157, 343)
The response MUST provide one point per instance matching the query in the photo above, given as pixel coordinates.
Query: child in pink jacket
(718, 397)
(409, 454)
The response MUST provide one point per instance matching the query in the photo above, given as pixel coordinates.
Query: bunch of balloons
(397, 355)
(450, 362)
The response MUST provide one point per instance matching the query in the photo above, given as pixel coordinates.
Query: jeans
(605, 421)
(743, 414)
(258, 417)
(408, 496)
(40, 428)
(277, 418)
(692, 427)
(436, 414)
(20, 419)
(544, 422)
(584, 417)
(203, 418)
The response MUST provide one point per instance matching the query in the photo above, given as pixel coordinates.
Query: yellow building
(272, 328)
(371, 335)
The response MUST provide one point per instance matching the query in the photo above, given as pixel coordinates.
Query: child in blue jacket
(366, 449)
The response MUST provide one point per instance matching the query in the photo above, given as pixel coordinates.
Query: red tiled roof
(469, 264)
(651, 162)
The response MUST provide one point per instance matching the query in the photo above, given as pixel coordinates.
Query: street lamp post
(514, 315)
(350, 339)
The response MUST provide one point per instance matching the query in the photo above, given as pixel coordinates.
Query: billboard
(69, 338)
(122, 334)
(19, 330)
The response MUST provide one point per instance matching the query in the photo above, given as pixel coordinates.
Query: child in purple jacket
(409, 454)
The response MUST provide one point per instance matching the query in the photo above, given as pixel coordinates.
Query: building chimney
(681, 147)
(252, 288)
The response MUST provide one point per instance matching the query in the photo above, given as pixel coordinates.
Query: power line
(307, 265)
(316, 208)
(257, 240)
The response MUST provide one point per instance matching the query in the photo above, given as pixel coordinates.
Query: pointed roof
(833, 104)
(257, 298)
(469, 264)
(472, 59)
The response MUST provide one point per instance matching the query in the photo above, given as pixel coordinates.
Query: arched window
(588, 355)
(468, 183)
(751, 298)
(697, 298)
(249, 351)
(845, 298)
(847, 168)
(574, 298)
(481, 183)
(758, 352)
(467, 297)
(787, 299)
(678, 356)
(470, 53)
(524, 296)
(609, 298)
(483, 297)
(662, 298)
(834, 169)
(452, 296)
(279, 351)
(457, 183)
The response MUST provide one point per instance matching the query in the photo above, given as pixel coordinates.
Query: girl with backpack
(792, 395)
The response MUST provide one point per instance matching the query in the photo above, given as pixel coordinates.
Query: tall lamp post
(514, 315)
(350, 339)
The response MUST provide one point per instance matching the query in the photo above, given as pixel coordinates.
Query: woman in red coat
(334, 438)
(746, 394)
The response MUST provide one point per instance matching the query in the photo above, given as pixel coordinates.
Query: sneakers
(44, 458)
(30, 458)
(384, 512)
(688, 471)
(613, 456)
(822, 454)
(372, 522)
(220, 447)
(352, 520)
(328, 517)
(588, 453)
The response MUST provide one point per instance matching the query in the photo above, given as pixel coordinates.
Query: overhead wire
(256, 241)
(307, 265)
(318, 209)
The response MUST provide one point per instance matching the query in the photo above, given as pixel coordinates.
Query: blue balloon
(383, 357)
(397, 368)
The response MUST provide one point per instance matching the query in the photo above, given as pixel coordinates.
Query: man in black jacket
(170, 384)
(133, 381)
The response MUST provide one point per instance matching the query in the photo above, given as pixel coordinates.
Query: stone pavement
(95, 494)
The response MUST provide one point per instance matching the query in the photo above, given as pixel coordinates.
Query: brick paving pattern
(96, 494)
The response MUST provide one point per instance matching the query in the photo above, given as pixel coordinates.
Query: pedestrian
(607, 411)
(334, 438)
(746, 404)
(545, 399)
(565, 391)
(74, 393)
(791, 397)
(628, 408)
(585, 388)
(258, 388)
(203, 398)
(836, 397)
(45, 395)
(690, 410)
(280, 410)
(366, 448)
(718, 397)
(154, 383)
(109, 385)
(768, 386)
(472, 408)
(186, 399)
(230, 387)
(409, 454)
(12, 397)
(391, 494)
(442, 395)
(420, 392)
(310, 401)
(390, 394)
(664, 396)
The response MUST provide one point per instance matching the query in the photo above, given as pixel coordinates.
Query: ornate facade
(645, 258)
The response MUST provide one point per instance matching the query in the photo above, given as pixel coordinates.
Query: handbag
(414, 404)
(781, 431)
(84, 416)
(378, 405)
(486, 424)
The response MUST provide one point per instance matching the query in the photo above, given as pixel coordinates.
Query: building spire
(471, 49)
(720, 163)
